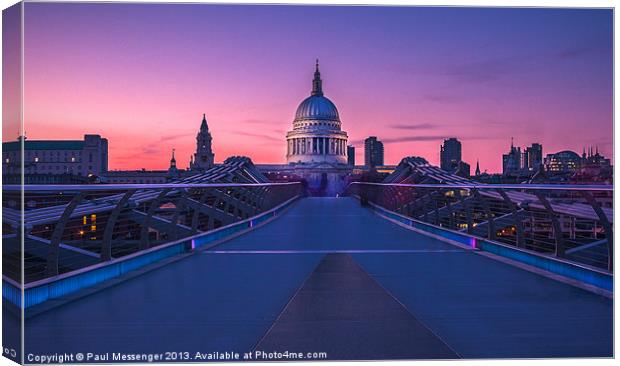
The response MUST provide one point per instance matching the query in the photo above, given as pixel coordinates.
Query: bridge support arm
(54, 252)
(106, 245)
(607, 226)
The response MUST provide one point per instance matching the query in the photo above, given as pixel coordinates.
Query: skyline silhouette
(142, 75)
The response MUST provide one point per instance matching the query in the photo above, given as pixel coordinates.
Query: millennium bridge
(424, 265)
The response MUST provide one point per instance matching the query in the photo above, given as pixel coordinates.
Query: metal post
(54, 252)
(106, 244)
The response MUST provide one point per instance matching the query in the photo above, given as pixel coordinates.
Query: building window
(73, 159)
(36, 159)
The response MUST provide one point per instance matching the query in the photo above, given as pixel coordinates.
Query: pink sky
(142, 75)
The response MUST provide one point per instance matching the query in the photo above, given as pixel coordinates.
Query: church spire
(477, 167)
(173, 164)
(317, 83)
(203, 125)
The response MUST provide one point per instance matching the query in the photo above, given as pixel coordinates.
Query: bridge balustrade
(68, 228)
(572, 222)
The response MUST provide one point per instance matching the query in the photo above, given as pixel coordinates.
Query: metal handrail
(100, 187)
(552, 187)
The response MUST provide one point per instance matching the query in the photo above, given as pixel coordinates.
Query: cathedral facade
(317, 136)
(316, 146)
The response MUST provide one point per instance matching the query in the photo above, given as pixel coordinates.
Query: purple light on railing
(251, 223)
(473, 243)
(193, 244)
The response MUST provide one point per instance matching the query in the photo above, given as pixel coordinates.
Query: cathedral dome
(317, 136)
(317, 107)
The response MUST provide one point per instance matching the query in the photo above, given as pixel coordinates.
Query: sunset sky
(142, 75)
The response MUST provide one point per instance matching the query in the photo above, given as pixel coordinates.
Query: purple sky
(143, 74)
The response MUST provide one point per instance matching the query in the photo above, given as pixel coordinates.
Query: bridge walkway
(330, 276)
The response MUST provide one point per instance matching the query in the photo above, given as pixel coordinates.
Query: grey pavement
(444, 301)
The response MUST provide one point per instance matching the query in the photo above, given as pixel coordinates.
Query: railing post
(52, 256)
(489, 214)
(560, 249)
(607, 226)
(195, 216)
(468, 213)
(106, 244)
(516, 218)
(144, 232)
(179, 207)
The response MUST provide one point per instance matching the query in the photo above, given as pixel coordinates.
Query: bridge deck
(269, 289)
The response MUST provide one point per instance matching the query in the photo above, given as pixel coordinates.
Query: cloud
(442, 98)
(576, 51)
(413, 126)
(260, 136)
(482, 71)
(259, 121)
(391, 140)
(165, 138)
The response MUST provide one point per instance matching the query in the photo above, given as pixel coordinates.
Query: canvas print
(234, 182)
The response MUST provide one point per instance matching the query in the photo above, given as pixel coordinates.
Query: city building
(351, 155)
(525, 162)
(140, 176)
(512, 162)
(533, 157)
(594, 159)
(562, 162)
(463, 169)
(373, 152)
(317, 136)
(450, 154)
(84, 158)
(588, 164)
(204, 158)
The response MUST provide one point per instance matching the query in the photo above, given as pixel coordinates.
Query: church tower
(203, 158)
(172, 170)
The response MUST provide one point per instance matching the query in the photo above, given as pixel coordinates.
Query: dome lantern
(317, 83)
